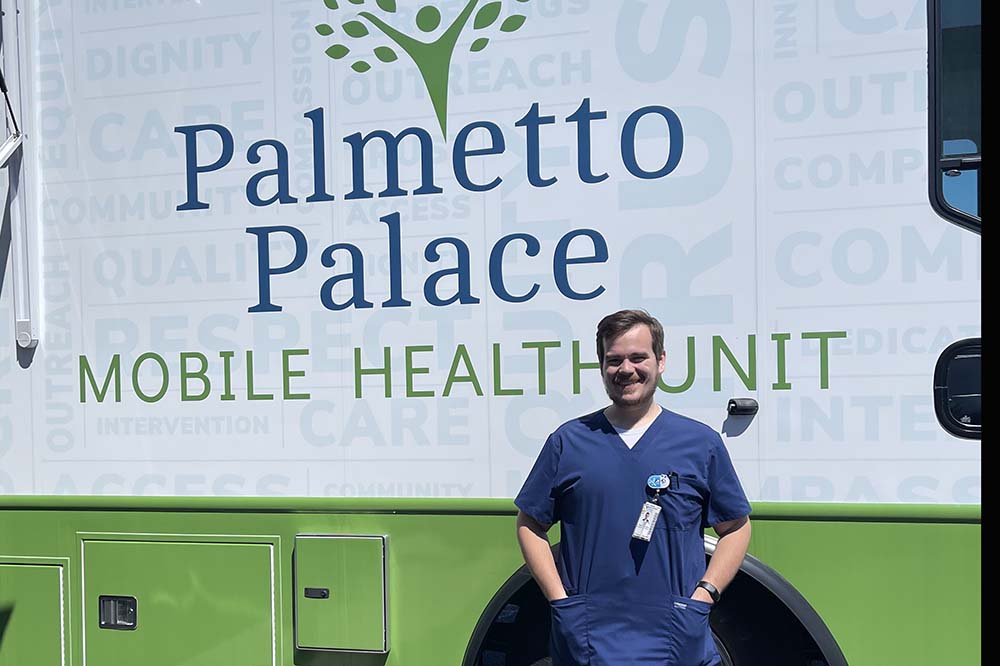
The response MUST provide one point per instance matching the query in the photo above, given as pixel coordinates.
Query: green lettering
(227, 375)
(691, 372)
(462, 354)
(251, 395)
(385, 371)
(497, 388)
(87, 376)
(579, 365)
(541, 347)
(287, 373)
(824, 338)
(749, 378)
(186, 374)
(782, 384)
(164, 377)
(411, 370)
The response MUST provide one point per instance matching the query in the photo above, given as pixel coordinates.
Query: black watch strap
(712, 590)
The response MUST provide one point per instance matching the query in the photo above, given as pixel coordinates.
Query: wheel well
(761, 618)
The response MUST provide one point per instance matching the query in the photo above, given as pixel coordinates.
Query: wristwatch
(712, 590)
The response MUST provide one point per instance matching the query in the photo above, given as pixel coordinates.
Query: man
(633, 486)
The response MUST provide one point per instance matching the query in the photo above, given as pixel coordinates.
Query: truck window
(955, 109)
(958, 381)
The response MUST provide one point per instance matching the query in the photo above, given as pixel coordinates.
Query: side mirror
(958, 382)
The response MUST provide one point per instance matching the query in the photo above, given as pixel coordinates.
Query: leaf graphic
(386, 5)
(357, 2)
(479, 44)
(358, 29)
(385, 54)
(487, 15)
(428, 18)
(331, 4)
(337, 51)
(512, 23)
(324, 29)
(361, 67)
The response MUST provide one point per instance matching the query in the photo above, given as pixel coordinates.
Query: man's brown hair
(617, 323)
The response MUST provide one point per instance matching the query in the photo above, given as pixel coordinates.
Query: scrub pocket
(570, 637)
(682, 506)
(689, 632)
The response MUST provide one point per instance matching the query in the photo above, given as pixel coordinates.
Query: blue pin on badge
(658, 482)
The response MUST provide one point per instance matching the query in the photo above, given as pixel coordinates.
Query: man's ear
(662, 363)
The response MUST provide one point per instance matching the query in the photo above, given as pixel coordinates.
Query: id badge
(647, 521)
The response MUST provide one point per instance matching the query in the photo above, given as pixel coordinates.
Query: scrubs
(629, 600)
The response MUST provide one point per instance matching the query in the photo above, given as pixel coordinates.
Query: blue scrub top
(629, 600)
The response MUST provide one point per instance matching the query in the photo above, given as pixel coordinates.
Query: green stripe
(927, 513)
(262, 504)
(944, 513)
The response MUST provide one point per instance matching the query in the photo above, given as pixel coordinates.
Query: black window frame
(941, 410)
(937, 163)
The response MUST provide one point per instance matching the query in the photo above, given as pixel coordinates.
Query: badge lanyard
(650, 512)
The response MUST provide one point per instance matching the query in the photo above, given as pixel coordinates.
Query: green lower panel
(895, 585)
(891, 593)
(198, 604)
(30, 615)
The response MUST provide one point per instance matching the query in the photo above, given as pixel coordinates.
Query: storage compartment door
(341, 593)
(196, 604)
(31, 619)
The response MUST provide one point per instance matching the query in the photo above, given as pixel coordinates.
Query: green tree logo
(432, 58)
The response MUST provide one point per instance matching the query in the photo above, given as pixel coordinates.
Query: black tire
(727, 660)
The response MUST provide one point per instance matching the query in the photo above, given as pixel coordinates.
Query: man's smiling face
(630, 367)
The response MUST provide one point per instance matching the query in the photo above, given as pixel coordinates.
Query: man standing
(633, 486)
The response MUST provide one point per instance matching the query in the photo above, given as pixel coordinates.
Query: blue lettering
(191, 167)
(560, 262)
(675, 139)
(460, 154)
(532, 248)
(264, 268)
